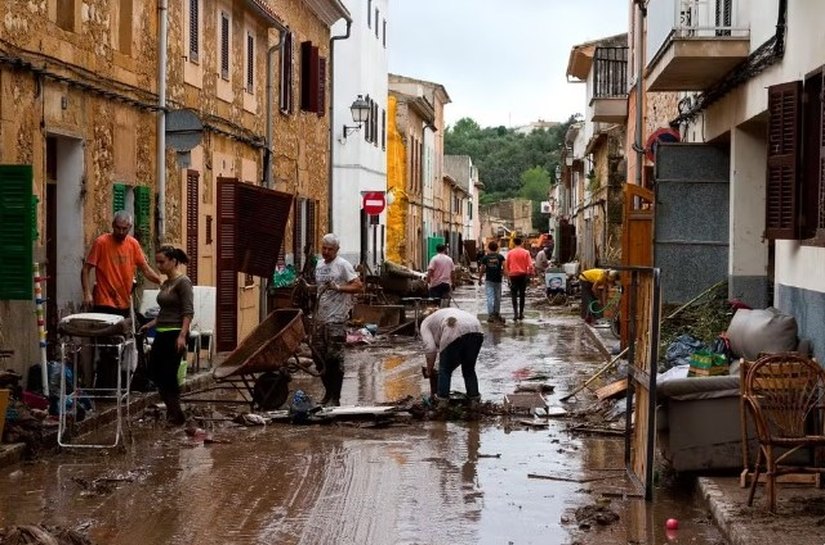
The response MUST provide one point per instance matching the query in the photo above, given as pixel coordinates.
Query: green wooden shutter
(35, 202)
(118, 197)
(16, 230)
(143, 214)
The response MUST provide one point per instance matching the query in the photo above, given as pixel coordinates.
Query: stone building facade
(78, 102)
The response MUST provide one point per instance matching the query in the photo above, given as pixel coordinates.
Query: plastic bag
(284, 278)
(680, 351)
(300, 407)
(182, 369)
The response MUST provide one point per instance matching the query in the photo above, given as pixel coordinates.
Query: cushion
(761, 331)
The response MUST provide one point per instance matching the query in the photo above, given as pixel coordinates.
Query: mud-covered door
(691, 218)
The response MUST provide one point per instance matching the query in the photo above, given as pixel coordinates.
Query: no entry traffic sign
(374, 202)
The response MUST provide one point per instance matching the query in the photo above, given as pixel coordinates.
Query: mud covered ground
(413, 483)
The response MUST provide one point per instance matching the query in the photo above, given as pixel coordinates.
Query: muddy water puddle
(423, 483)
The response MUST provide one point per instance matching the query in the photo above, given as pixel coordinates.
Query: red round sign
(374, 202)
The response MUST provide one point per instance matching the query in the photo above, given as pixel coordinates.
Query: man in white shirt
(337, 281)
(455, 338)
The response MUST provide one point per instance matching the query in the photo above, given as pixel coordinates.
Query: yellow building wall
(396, 185)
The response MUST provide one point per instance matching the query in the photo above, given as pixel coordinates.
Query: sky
(503, 62)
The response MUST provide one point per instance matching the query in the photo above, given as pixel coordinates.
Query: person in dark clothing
(491, 268)
(176, 301)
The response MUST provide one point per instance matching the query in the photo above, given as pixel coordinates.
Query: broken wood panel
(612, 390)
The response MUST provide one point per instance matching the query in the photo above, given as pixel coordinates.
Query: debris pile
(598, 514)
(42, 535)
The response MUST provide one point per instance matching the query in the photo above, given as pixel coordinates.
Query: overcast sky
(502, 62)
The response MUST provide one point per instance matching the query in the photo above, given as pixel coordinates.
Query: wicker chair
(784, 393)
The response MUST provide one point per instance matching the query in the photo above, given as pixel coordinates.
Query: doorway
(64, 228)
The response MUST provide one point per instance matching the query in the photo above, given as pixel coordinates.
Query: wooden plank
(612, 390)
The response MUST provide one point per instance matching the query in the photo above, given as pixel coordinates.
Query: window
(225, 46)
(383, 128)
(375, 123)
(194, 30)
(376, 22)
(384, 33)
(795, 195)
(286, 99)
(369, 14)
(368, 122)
(310, 78)
(192, 217)
(66, 11)
(250, 63)
(125, 27)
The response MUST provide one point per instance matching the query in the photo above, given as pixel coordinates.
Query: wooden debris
(534, 423)
(566, 479)
(612, 390)
(540, 387)
(497, 455)
(597, 430)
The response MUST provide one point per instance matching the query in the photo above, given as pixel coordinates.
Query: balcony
(609, 92)
(693, 44)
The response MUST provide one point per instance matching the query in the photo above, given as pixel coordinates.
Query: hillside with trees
(510, 164)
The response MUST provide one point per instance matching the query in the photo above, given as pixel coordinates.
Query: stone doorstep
(12, 453)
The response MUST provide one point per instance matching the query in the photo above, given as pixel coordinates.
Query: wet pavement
(417, 483)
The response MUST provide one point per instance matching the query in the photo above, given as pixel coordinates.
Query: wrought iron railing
(669, 19)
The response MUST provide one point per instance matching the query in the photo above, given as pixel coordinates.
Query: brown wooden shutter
(263, 215)
(784, 143)
(226, 313)
(820, 224)
(194, 29)
(309, 77)
(322, 86)
(297, 233)
(224, 45)
(312, 225)
(192, 219)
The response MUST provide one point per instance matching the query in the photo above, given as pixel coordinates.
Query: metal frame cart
(96, 333)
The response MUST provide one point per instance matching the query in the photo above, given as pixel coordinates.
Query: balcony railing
(610, 72)
(685, 19)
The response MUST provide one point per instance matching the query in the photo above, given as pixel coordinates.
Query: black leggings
(518, 290)
(164, 362)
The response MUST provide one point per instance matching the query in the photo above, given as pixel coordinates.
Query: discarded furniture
(784, 393)
(381, 315)
(686, 405)
(260, 365)
(110, 339)
(202, 328)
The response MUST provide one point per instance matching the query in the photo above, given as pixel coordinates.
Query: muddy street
(411, 483)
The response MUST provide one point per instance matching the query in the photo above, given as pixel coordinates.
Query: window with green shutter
(16, 231)
(118, 197)
(143, 215)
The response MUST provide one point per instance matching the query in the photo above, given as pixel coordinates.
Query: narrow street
(416, 483)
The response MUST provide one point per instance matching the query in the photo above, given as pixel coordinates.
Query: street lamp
(360, 109)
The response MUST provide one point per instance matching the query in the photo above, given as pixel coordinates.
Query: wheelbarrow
(260, 366)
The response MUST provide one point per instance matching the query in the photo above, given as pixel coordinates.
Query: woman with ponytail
(176, 301)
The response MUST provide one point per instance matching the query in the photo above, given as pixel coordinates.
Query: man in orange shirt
(519, 267)
(114, 256)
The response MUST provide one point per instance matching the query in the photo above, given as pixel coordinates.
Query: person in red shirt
(519, 267)
(114, 256)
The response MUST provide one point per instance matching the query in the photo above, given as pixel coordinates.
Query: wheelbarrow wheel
(270, 391)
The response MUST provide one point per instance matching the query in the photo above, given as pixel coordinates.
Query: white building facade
(359, 159)
(771, 128)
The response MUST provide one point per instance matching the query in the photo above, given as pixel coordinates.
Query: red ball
(672, 524)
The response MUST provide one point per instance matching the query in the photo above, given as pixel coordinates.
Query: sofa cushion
(761, 331)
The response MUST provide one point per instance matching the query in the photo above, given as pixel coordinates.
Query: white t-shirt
(334, 306)
(437, 335)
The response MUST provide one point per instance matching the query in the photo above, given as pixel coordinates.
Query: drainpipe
(346, 35)
(267, 163)
(163, 21)
(638, 145)
(267, 167)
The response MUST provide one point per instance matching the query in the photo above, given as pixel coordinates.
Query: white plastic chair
(202, 329)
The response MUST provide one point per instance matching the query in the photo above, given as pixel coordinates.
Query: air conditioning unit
(545, 207)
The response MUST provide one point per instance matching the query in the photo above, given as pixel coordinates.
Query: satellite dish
(184, 130)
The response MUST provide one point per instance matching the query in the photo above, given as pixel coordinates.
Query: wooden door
(226, 315)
